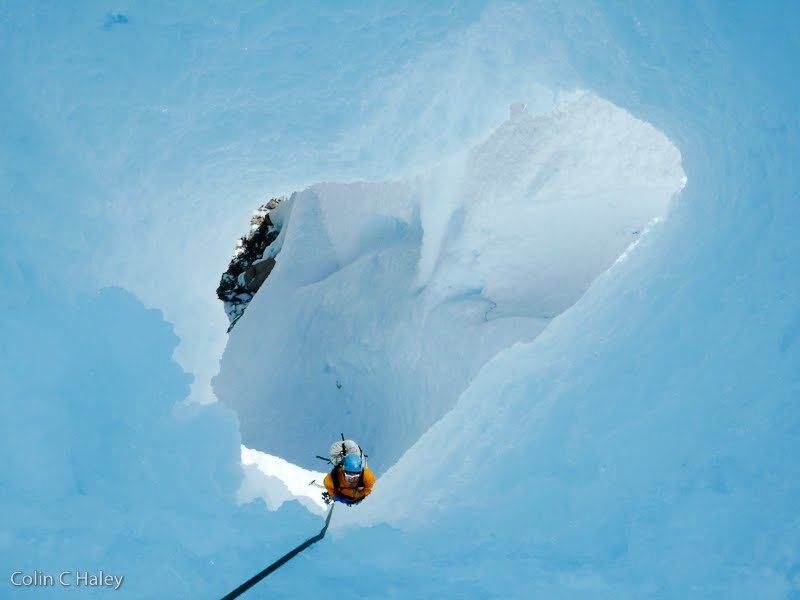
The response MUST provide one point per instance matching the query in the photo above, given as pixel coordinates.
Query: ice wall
(105, 469)
(643, 444)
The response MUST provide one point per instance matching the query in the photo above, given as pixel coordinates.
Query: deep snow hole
(387, 298)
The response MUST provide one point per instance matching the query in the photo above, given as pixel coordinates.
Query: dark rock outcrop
(249, 268)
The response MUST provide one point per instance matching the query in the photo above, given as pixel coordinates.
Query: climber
(349, 482)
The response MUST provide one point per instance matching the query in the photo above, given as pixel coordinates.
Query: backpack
(341, 449)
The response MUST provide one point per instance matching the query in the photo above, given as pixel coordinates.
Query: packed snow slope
(643, 445)
(387, 298)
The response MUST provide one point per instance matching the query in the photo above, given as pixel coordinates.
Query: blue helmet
(352, 464)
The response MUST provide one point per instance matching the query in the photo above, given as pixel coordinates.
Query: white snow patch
(276, 481)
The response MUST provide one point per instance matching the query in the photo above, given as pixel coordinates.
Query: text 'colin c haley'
(66, 579)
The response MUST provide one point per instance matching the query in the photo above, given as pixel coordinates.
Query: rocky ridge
(249, 267)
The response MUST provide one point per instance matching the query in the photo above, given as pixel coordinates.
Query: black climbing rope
(280, 562)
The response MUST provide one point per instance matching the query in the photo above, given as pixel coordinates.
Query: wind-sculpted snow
(104, 469)
(547, 203)
(373, 322)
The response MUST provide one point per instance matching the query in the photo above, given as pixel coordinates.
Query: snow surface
(642, 446)
(276, 481)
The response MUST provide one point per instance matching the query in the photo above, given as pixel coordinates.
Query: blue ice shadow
(78, 380)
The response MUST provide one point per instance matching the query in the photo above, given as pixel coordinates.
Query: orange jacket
(351, 490)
